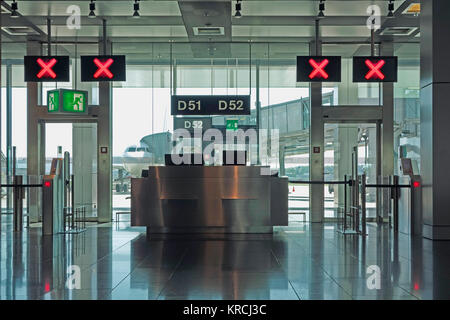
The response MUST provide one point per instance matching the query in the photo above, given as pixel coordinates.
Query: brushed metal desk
(209, 199)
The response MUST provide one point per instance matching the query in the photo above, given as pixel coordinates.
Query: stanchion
(345, 204)
(395, 189)
(18, 204)
(363, 205)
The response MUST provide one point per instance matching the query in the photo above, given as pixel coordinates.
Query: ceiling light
(414, 9)
(238, 8)
(391, 9)
(136, 9)
(321, 9)
(92, 9)
(14, 7)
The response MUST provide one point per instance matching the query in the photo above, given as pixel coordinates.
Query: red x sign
(46, 68)
(318, 71)
(375, 69)
(103, 68)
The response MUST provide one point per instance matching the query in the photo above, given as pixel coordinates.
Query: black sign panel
(375, 69)
(318, 69)
(210, 105)
(46, 68)
(103, 68)
(192, 123)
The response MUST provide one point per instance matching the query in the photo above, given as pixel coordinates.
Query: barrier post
(363, 205)
(396, 197)
(345, 203)
(18, 204)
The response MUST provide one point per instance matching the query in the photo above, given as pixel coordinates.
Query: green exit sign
(67, 101)
(232, 124)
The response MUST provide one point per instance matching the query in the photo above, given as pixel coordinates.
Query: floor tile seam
(173, 273)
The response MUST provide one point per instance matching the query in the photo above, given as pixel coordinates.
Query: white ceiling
(163, 21)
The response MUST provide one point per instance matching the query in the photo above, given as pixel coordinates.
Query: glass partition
(348, 92)
(407, 106)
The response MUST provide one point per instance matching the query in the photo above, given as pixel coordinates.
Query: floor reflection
(303, 261)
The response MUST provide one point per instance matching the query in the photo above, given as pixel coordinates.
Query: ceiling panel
(103, 8)
(310, 8)
(272, 31)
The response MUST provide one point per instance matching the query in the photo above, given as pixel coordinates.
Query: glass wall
(407, 106)
(347, 92)
(155, 71)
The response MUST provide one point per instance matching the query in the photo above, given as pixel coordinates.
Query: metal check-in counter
(209, 199)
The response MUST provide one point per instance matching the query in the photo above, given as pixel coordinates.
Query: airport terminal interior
(253, 149)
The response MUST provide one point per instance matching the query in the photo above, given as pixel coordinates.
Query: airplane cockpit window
(131, 149)
(141, 149)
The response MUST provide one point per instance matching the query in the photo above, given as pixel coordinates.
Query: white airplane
(137, 158)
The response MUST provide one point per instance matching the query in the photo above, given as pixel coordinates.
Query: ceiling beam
(6, 20)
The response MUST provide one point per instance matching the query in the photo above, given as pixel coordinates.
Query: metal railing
(18, 196)
(74, 219)
(354, 216)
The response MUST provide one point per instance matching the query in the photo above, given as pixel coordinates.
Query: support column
(316, 139)
(35, 166)
(387, 131)
(104, 139)
(434, 118)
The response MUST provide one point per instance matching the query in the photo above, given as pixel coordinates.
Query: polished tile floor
(302, 261)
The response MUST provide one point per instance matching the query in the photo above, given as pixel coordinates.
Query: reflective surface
(301, 261)
(230, 198)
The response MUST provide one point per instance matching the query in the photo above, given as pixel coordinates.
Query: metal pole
(14, 161)
(363, 205)
(317, 36)
(372, 41)
(104, 36)
(396, 196)
(49, 37)
(356, 217)
(345, 203)
(18, 204)
(73, 199)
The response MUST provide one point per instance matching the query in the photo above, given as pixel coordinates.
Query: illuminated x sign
(318, 69)
(375, 69)
(46, 68)
(103, 68)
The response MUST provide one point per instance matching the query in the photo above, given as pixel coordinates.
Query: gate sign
(375, 69)
(318, 69)
(210, 105)
(191, 123)
(103, 68)
(46, 68)
(67, 101)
